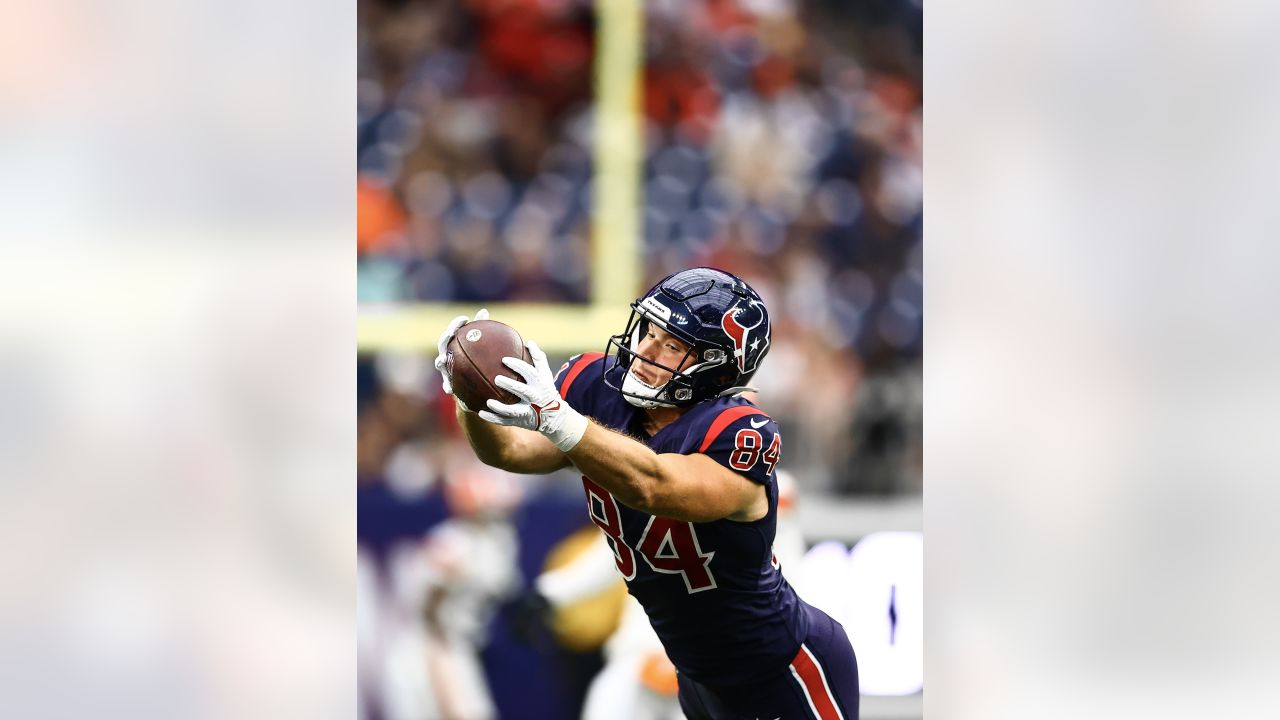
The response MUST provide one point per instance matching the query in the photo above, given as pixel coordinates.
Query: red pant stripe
(813, 681)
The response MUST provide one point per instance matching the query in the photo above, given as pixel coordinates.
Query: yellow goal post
(616, 272)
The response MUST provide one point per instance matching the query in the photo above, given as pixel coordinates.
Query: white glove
(541, 407)
(443, 346)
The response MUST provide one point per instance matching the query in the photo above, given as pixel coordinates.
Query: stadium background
(503, 163)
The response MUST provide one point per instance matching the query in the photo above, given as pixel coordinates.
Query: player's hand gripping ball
(538, 404)
(471, 356)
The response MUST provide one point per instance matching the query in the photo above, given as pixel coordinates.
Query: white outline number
(611, 525)
(746, 449)
(771, 456)
(669, 546)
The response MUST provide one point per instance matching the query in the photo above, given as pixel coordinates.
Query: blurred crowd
(782, 143)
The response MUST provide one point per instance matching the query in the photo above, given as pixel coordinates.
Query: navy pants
(821, 683)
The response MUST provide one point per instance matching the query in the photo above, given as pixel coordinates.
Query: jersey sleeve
(573, 379)
(744, 440)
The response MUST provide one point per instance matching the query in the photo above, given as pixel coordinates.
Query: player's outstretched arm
(509, 448)
(683, 487)
(506, 448)
(694, 488)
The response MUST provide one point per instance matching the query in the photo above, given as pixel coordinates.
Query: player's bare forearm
(681, 487)
(511, 449)
(619, 464)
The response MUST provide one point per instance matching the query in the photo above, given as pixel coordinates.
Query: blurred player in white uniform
(445, 592)
(638, 682)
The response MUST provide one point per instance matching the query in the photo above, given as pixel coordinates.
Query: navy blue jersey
(712, 590)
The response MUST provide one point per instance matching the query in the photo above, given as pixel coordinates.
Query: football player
(444, 593)
(638, 681)
(679, 474)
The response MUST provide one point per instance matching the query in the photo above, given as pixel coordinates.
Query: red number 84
(746, 452)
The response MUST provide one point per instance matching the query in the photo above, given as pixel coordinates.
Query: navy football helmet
(721, 319)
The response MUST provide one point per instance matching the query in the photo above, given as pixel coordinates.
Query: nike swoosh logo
(538, 410)
(763, 422)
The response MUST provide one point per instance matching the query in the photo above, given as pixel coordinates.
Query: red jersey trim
(724, 420)
(578, 367)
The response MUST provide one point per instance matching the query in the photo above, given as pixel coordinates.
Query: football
(474, 359)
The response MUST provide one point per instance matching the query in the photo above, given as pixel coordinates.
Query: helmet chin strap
(639, 394)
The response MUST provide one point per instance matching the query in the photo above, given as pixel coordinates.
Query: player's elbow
(524, 454)
(496, 456)
(501, 450)
(508, 459)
